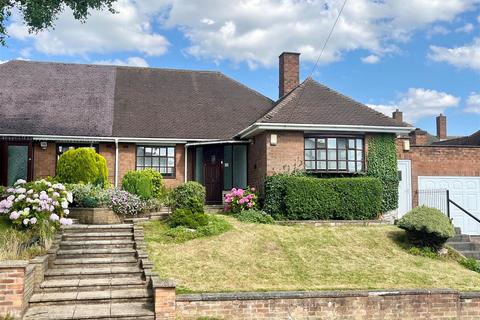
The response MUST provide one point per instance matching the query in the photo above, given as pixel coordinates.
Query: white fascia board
(216, 142)
(259, 127)
(101, 139)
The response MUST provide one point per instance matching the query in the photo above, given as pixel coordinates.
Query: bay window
(334, 154)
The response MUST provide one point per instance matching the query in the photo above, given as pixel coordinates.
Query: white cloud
(437, 30)
(3, 61)
(103, 32)
(371, 59)
(467, 56)
(130, 62)
(255, 32)
(419, 103)
(473, 103)
(467, 28)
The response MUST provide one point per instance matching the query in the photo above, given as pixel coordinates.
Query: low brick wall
(95, 216)
(20, 278)
(317, 223)
(403, 304)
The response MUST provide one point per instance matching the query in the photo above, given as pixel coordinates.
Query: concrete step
(96, 262)
(137, 220)
(93, 244)
(464, 246)
(460, 238)
(105, 295)
(92, 284)
(458, 230)
(76, 236)
(117, 311)
(83, 228)
(95, 253)
(84, 273)
(471, 254)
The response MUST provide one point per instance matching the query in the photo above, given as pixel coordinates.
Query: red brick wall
(44, 161)
(17, 280)
(412, 304)
(440, 161)
(108, 151)
(257, 161)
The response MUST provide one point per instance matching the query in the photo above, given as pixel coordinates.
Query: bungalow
(188, 125)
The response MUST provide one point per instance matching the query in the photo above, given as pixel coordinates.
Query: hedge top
(427, 220)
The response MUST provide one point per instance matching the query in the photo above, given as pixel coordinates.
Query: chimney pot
(397, 115)
(289, 72)
(441, 127)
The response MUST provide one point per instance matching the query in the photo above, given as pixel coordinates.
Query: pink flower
(33, 220)
(241, 201)
(228, 200)
(253, 189)
(65, 221)
(26, 221)
(250, 204)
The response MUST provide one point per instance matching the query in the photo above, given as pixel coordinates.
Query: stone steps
(92, 284)
(98, 236)
(463, 243)
(95, 253)
(89, 297)
(81, 228)
(108, 311)
(94, 244)
(96, 262)
(99, 272)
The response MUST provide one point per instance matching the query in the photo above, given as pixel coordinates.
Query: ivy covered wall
(382, 164)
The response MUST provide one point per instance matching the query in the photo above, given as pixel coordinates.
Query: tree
(41, 14)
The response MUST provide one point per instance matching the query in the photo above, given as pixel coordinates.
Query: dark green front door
(15, 162)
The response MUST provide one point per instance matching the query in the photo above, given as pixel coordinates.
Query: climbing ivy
(382, 164)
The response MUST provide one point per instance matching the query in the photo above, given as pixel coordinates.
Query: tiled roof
(314, 103)
(471, 140)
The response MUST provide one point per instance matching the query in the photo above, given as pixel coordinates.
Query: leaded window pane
(309, 155)
(351, 143)
(359, 155)
(332, 165)
(351, 166)
(359, 144)
(171, 152)
(332, 143)
(321, 144)
(310, 143)
(321, 165)
(342, 165)
(342, 143)
(332, 154)
(342, 155)
(140, 151)
(309, 165)
(321, 155)
(171, 162)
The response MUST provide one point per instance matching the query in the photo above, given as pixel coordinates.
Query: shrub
(138, 183)
(382, 164)
(275, 189)
(215, 226)
(238, 200)
(308, 198)
(190, 195)
(158, 187)
(124, 203)
(188, 219)
(82, 165)
(40, 205)
(255, 216)
(471, 264)
(88, 195)
(427, 227)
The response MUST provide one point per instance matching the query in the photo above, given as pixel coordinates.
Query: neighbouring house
(188, 125)
(429, 165)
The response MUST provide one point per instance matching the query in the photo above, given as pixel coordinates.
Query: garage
(465, 191)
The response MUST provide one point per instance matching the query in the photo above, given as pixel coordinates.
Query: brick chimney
(441, 126)
(418, 137)
(397, 115)
(289, 74)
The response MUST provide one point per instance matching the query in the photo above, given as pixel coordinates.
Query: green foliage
(82, 165)
(188, 219)
(40, 15)
(88, 195)
(308, 198)
(275, 189)
(255, 216)
(160, 232)
(382, 164)
(138, 183)
(424, 252)
(471, 264)
(427, 227)
(190, 195)
(158, 187)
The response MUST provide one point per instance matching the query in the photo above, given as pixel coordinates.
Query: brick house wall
(439, 161)
(44, 161)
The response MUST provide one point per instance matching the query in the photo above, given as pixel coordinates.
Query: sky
(420, 56)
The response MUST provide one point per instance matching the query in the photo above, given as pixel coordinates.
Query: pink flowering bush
(39, 205)
(239, 200)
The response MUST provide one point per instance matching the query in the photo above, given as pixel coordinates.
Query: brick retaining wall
(402, 304)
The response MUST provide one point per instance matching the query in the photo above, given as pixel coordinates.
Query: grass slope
(10, 240)
(254, 257)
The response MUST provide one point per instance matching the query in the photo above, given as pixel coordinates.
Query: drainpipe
(116, 162)
(186, 163)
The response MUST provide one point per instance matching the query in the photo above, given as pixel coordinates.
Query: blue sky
(423, 58)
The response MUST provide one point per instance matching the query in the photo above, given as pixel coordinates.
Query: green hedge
(158, 187)
(138, 183)
(308, 198)
(82, 165)
(382, 164)
(190, 196)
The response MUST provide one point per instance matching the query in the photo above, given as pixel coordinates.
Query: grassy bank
(11, 240)
(252, 257)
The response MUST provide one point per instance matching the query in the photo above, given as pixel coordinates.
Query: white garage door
(463, 190)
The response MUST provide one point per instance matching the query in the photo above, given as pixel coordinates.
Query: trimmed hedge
(138, 183)
(308, 198)
(82, 165)
(427, 227)
(190, 195)
(158, 187)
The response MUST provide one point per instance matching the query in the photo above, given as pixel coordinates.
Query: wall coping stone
(13, 264)
(306, 294)
(470, 295)
(334, 222)
(163, 283)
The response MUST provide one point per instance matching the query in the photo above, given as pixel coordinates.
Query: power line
(328, 38)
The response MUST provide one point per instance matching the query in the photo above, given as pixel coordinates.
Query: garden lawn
(253, 257)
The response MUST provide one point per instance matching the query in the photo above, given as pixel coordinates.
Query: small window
(160, 158)
(334, 154)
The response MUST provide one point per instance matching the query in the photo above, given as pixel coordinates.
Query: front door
(404, 187)
(15, 162)
(213, 173)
